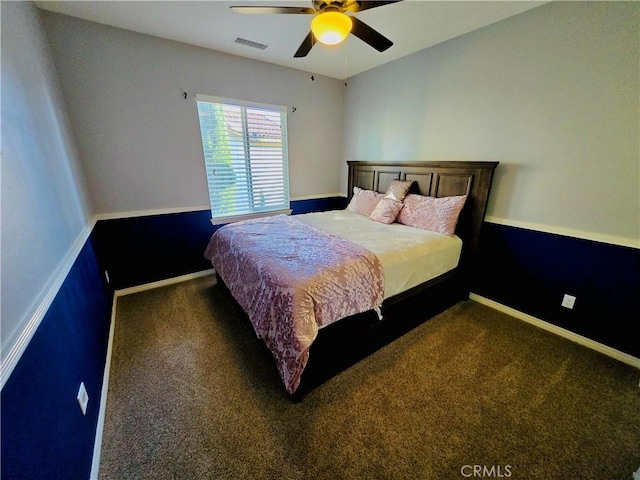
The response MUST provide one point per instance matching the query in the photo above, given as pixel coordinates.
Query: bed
(323, 290)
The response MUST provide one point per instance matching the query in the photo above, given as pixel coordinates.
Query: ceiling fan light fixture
(331, 28)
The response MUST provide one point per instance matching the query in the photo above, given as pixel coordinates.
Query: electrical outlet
(568, 301)
(83, 398)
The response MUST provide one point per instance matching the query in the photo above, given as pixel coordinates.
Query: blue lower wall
(530, 271)
(524, 269)
(141, 250)
(44, 434)
(318, 205)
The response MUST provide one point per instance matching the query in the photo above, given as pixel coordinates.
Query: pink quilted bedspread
(291, 279)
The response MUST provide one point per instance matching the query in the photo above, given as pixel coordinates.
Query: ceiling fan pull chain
(345, 66)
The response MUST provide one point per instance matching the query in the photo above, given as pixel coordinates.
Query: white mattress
(409, 256)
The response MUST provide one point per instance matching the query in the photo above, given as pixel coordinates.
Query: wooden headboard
(434, 179)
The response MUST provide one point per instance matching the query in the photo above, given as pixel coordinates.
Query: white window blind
(245, 156)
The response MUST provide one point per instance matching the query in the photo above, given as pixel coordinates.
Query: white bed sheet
(409, 256)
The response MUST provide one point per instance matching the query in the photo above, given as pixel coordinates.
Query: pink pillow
(364, 201)
(386, 211)
(430, 213)
(398, 189)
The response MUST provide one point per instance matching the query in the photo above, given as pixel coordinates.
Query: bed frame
(343, 343)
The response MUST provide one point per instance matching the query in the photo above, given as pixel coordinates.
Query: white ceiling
(411, 24)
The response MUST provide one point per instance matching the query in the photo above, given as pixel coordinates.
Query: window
(245, 155)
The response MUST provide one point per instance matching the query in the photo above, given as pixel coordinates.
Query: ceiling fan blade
(269, 10)
(360, 5)
(305, 46)
(368, 35)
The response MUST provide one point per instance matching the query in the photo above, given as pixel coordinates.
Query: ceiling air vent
(250, 43)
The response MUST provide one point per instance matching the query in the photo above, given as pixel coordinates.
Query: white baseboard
(97, 445)
(162, 283)
(574, 337)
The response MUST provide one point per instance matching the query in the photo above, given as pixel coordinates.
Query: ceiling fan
(330, 24)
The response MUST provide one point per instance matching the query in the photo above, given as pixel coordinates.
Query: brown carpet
(472, 393)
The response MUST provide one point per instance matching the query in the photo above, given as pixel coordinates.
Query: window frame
(220, 220)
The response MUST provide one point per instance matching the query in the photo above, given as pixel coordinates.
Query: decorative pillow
(430, 213)
(364, 201)
(398, 189)
(386, 211)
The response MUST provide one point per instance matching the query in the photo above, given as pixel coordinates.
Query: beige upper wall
(139, 139)
(45, 206)
(553, 94)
